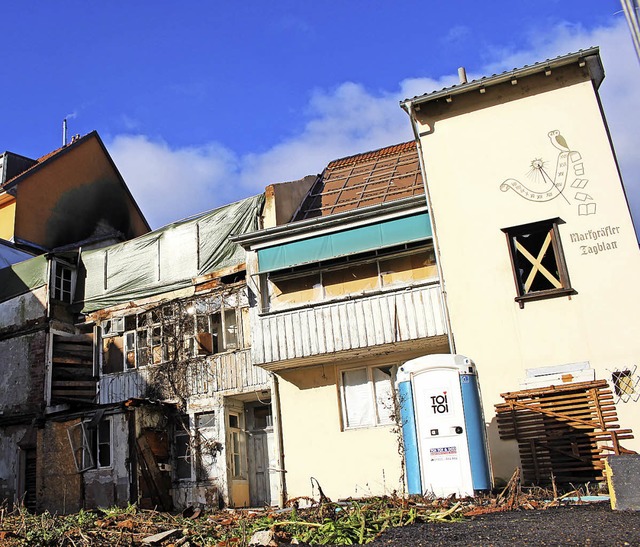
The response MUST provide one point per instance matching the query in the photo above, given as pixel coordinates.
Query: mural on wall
(566, 183)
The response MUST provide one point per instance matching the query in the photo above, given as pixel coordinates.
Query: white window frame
(58, 269)
(181, 430)
(224, 342)
(380, 414)
(86, 455)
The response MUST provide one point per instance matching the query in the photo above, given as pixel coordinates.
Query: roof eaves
(47, 158)
(317, 223)
(590, 56)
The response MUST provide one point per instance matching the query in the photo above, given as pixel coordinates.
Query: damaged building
(143, 391)
(245, 356)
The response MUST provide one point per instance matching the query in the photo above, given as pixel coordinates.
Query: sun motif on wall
(537, 172)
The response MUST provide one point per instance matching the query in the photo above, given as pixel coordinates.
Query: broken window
(625, 384)
(367, 396)
(63, 281)
(91, 443)
(537, 260)
(208, 444)
(215, 333)
(349, 275)
(182, 448)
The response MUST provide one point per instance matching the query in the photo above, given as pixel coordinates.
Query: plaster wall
(471, 147)
(24, 308)
(109, 486)
(356, 462)
(283, 199)
(74, 196)
(10, 462)
(7, 219)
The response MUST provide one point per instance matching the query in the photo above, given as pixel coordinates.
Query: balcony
(286, 338)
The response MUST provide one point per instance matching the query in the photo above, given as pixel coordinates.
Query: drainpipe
(408, 107)
(277, 426)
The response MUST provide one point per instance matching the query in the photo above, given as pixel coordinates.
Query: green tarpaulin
(166, 259)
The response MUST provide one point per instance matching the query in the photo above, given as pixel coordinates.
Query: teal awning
(371, 237)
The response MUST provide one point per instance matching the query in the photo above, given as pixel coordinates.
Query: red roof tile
(363, 180)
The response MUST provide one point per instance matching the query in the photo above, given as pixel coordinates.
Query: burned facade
(145, 387)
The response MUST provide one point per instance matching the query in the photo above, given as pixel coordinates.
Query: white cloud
(170, 183)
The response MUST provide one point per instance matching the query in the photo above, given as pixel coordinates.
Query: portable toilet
(443, 426)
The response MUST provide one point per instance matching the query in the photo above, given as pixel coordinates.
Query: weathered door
(260, 448)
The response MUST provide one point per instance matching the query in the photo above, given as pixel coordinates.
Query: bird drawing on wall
(558, 141)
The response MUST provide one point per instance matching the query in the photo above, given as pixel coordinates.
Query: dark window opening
(537, 259)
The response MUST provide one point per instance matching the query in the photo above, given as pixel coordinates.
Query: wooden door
(260, 447)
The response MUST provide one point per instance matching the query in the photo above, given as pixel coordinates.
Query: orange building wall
(73, 197)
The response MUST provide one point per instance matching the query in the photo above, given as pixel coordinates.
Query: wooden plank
(69, 360)
(84, 393)
(73, 383)
(152, 473)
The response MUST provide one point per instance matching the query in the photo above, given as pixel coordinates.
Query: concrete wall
(472, 146)
(23, 309)
(356, 462)
(22, 373)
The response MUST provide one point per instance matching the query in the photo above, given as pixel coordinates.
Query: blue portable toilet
(443, 426)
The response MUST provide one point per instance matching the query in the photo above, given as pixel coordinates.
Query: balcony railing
(365, 322)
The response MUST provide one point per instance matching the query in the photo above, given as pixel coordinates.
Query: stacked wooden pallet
(563, 432)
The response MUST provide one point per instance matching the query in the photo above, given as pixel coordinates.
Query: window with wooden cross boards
(539, 268)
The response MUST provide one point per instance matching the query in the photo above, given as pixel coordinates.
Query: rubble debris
(319, 522)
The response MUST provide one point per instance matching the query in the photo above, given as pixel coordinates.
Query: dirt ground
(593, 524)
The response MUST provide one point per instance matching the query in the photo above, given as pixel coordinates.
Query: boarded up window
(291, 291)
(353, 280)
(407, 269)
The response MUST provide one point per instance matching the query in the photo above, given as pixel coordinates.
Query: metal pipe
(407, 106)
(64, 132)
(630, 8)
(277, 426)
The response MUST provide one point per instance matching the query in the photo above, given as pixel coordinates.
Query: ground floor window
(182, 448)
(366, 396)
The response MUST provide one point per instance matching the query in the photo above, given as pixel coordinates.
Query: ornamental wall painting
(565, 181)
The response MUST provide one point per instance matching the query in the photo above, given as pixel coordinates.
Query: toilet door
(442, 440)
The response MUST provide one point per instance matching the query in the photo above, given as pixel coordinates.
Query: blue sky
(202, 103)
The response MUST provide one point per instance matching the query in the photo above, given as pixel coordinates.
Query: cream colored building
(536, 245)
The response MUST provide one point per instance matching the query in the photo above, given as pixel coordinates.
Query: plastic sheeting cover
(22, 277)
(166, 259)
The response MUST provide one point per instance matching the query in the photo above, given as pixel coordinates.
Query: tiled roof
(363, 180)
